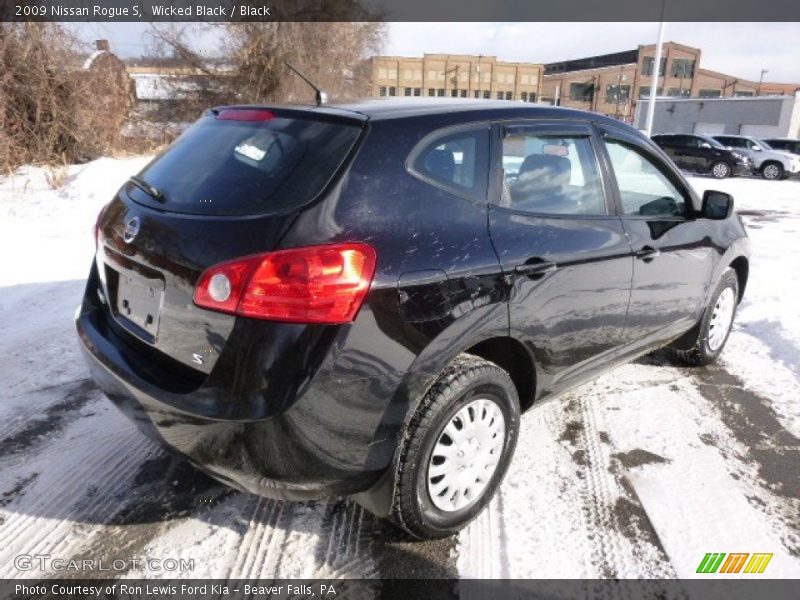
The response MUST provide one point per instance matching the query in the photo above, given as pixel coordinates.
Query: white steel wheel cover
(721, 319)
(466, 455)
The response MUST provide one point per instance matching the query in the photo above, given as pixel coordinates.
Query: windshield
(764, 145)
(714, 143)
(253, 162)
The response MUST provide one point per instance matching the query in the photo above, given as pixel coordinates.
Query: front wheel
(772, 171)
(456, 449)
(712, 332)
(720, 169)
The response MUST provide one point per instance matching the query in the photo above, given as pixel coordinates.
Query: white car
(772, 164)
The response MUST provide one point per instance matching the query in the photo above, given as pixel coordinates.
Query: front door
(673, 254)
(563, 250)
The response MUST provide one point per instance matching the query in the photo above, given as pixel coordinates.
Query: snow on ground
(637, 474)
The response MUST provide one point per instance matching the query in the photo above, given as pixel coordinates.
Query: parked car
(359, 300)
(772, 164)
(703, 154)
(784, 144)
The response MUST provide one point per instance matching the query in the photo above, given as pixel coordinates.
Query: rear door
(564, 253)
(673, 253)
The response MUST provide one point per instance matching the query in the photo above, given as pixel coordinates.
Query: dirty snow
(637, 474)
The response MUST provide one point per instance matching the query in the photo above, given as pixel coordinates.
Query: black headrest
(546, 165)
(440, 164)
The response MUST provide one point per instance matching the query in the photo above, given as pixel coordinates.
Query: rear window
(224, 165)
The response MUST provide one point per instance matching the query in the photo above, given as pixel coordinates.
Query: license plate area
(139, 301)
(136, 296)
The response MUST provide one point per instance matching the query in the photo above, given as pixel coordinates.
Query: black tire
(720, 170)
(465, 379)
(772, 171)
(695, 351)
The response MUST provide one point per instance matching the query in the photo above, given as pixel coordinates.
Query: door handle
(535, 269)
(648, 253)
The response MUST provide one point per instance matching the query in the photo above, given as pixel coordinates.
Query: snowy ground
(637, 474)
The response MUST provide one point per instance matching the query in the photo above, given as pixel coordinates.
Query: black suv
(703, 154)
(361, 300)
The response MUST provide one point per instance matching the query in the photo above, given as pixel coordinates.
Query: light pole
(455, 78)
(651, 106)
(760, 81)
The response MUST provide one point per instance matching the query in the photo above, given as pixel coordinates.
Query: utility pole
(651, 107)
(760, 81)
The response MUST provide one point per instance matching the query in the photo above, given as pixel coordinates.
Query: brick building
(613, 84)
(455, 75)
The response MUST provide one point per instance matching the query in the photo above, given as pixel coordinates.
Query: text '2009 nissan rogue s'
(360, 300)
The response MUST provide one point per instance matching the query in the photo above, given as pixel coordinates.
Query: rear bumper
(313, 447)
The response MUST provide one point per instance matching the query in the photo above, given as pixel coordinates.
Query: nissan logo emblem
(131, 229)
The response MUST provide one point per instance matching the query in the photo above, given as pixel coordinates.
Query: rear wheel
(715, 326)
(772, 171)
(456, 449)
(720, 169)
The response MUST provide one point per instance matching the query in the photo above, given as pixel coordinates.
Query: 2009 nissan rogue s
(361, 299)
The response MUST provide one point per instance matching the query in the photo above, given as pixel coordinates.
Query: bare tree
(252, 68)
(51, 109)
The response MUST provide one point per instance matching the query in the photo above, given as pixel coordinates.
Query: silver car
(770, 163)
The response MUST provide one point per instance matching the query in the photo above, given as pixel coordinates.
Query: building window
(682, 67)
(463, 93)
(582, 92)
(486, 94)
(742, 93)
(407, 91)
(618, 94)
(509, 95)
(678, 92)
(392, 91)
(382, 90)
(440, 92)
(649, 64)
(524, 96)
(644, 91)
(532, 97)
(477, 93)
(500, 95)
(417, 91)
(710, 93)
(431, 92)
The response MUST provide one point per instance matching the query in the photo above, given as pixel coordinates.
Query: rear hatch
(229, 187)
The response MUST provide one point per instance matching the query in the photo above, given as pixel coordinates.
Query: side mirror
(705, 145)
(717, 205)
(757, 148)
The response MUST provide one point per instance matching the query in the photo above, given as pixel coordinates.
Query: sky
(740, 49)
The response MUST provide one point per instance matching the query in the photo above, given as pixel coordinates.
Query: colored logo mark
(737, 562)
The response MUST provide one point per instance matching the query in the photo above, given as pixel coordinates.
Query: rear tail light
(97, 225)
(316, 284)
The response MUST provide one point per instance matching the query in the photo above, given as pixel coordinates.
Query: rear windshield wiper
(148, 189)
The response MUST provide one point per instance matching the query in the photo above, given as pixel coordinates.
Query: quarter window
(644, 189)
(551, 174)
(458, 161)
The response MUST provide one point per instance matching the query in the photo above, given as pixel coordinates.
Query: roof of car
(383, 109)
(398, 108)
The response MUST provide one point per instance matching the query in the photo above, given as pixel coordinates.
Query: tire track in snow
(769, 453)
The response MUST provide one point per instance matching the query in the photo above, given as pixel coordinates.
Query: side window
(458, 161)
(551, 174)
(644, 190)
